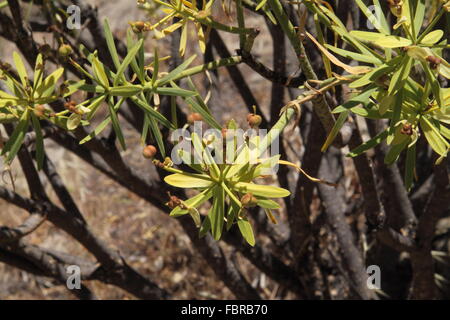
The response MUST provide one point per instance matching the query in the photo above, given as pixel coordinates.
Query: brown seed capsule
(71, 106)
(173, 202)
(138, 26)
(254, 121)
(433, 61)
(39, 110)
(407, 129)
(248, 200)
(149, 151)
(64, 50)
(194, 117)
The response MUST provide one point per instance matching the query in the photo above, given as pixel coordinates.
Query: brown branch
(423, 283)
(28, 226)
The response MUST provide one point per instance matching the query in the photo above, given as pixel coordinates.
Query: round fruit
(254, 121)
(194, 117)
(149, 152)
(248, 200)
(64, 50)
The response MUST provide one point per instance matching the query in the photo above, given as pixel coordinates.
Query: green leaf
(366, 35)
(39, 141)
(432, 37)
(128, 90)
(115, 121)
(368, 144)
(175, 72)
(335, 130)
(247, 231)
(188, 180)
(157, 135)
(375, 73)
(216, 214)
(155, 67)
(99, 71)
(183, 39)
(73, 87)
(260, 190)
(267, 203)
(152, 112)
(97, 130)
(419, 15)
(21, 70)
(435, 87)
(74, 121)
(233, 213)
(93, 106)
(394, 152)
(139, 70)
(47, 87)
(392, 42)
(110, 43)
(38, 71)
(205, 114)
(362, 98)
(15, 140)
(397, 108)
(178, 92)
(128, 59)
(400, 76)
(193, 202)
(206, 226)
(434, 138)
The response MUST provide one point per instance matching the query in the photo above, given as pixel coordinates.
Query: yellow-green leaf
(100, 73)
(261, 190)
(246, 230)
(434, 138)
(74, 121)
(190, 180)
(432, 37)
(392, 42)
(21, 70)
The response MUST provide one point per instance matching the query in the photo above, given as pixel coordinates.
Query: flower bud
(71, 106)
(248, 200)
(139, 26)
(173, 202)
(149, 152)
(407, 129)
(39, 110)
(64, 50)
